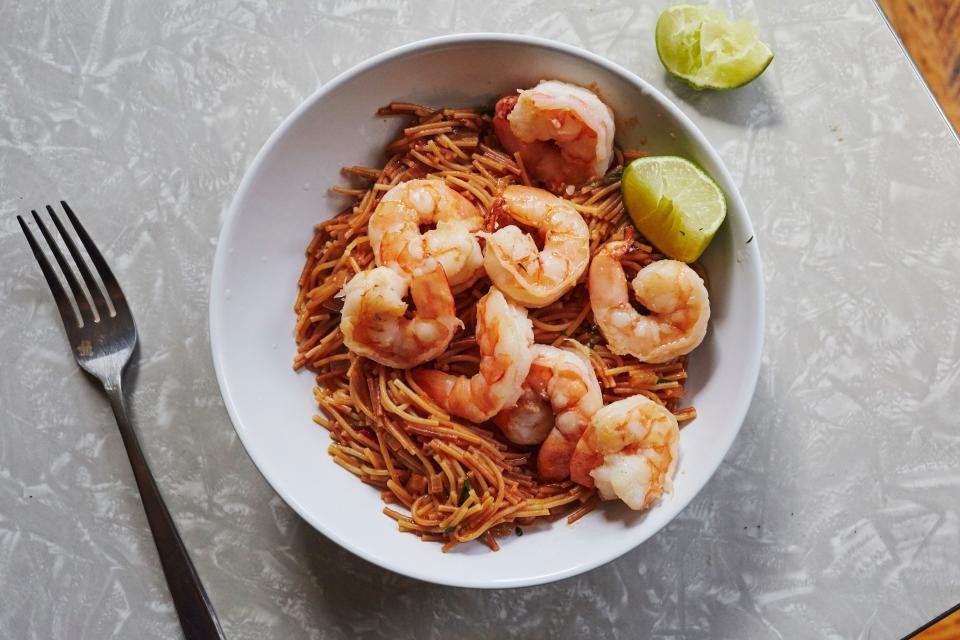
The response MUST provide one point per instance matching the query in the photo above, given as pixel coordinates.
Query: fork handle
(197, 617)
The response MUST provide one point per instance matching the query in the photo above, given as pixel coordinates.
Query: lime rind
(700, 46)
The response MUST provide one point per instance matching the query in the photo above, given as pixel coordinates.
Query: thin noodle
(456, 481)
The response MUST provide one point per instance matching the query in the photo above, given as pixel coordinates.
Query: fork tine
(97, 298)
(83, 304)
(106, 275)
(59, 295)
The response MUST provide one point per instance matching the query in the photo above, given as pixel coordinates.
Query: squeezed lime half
(674, 204)
(700, 45)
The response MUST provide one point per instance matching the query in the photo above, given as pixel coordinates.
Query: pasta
(441, 478)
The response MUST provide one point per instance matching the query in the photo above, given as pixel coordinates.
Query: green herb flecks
(613, 176)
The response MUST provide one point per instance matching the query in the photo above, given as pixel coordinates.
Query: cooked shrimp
(673, 293)
(567, 381)
(373, 321)
(529, 421)
(505, 338)
(532, 277)
(629, 451)
(563, 132)
(394, 229)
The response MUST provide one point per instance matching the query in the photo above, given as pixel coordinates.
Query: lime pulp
(699, 45)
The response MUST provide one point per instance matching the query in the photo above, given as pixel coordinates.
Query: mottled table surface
(836, 513)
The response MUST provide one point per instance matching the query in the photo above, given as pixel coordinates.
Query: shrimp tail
(585, 458)
(436, 384)
(505, 105)
(554, 457)
(448, 391)
(501, 126)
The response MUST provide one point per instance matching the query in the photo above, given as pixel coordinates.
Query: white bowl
(260, 254)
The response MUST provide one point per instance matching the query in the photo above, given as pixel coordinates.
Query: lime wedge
(700, 45)
(674, 204)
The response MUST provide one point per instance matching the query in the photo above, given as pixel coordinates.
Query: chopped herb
(485, 110)
(682, 233)
(750, 239)
(518, 531)
(448, 529)
(465, 491)
(564, 332)
(613, 176)
(662, 380)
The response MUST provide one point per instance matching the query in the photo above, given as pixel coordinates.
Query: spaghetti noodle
(441, 478)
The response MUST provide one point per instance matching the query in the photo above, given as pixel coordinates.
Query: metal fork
(103, 336)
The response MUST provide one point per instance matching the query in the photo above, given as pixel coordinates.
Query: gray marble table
(835, 515)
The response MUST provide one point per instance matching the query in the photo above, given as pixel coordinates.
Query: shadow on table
(355, 590)
(756, 105)
(362, 600)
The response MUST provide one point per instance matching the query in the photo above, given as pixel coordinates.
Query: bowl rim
(737, 410)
